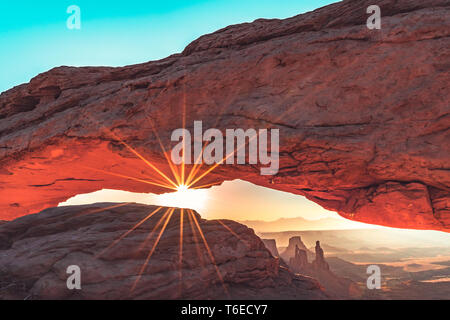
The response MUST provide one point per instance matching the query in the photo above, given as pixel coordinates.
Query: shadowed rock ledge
(36, 250)
(363, 114)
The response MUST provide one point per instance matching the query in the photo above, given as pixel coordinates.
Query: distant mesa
(297, 253)
(295, 242)
(336, 287)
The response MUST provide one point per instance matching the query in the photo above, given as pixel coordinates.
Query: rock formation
(336, 287)
(36, 250)
(319, 263)
(300, 261)
(271, 244)
(294, 244)
(363, 115)
(297, 255)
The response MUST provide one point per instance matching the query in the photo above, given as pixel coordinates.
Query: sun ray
(151, 165)
(179, 180)
(150, 234)
(180, 254)
(112, 245)
(197, 165)
(131, 178)
(183, 166)
(102, 209)
(197, 243)
(204, 174)
(196, 168)
(208, 250)
(173, 168)
(147, 260)
(135, 152)
(205, 185)
(233, 233)
(223, 160)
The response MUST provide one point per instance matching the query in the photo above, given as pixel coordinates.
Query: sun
(184, 197)
(182, 188)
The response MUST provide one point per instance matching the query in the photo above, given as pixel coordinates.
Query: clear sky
(34, 37)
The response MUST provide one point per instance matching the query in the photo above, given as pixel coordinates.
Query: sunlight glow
(184, 197)
(188, 195)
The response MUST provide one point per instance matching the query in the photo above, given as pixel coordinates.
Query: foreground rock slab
(36, 250)
(363, 114)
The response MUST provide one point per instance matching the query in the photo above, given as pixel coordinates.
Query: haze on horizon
(235, 200)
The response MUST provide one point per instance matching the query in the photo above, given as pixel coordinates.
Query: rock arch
(363, 115)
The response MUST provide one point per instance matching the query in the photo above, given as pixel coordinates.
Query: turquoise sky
(34, 37)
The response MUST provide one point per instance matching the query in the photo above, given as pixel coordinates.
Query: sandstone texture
(363, 115)
(36, 250)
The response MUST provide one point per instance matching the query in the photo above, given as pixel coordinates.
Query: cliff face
(36, 250)
(336, 287)
(363, 114)
(319, 263)
(295, 243)
(271, 245)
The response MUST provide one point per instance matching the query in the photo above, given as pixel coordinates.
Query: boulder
(37, 250)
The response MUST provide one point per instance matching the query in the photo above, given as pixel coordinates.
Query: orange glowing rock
(363, 115)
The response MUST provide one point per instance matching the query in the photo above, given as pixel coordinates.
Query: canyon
(363, 115)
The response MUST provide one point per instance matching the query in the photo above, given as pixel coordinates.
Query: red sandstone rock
(36, 250)
(363, 114)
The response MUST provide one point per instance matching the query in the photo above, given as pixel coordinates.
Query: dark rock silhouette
(337, 287)
(319, 263)
(297, 242)
(299, 262)
(271, 244)
(294, 243)
(36, 250)
(363, 114)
